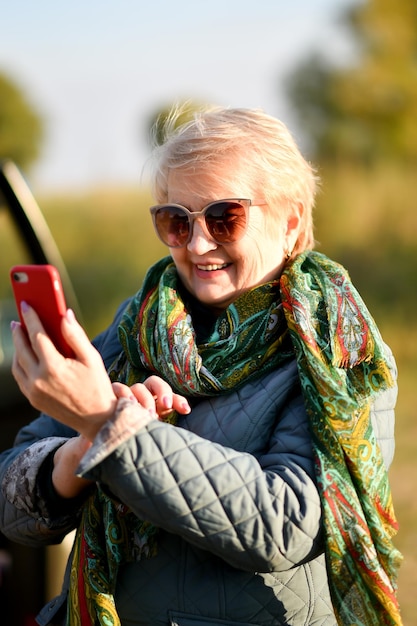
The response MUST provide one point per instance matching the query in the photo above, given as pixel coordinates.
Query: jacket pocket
(185, 619)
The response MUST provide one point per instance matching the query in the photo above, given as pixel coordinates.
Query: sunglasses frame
(193, 215)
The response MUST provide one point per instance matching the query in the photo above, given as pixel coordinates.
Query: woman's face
(217, 274)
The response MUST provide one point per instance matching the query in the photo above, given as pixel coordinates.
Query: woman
(236, 470)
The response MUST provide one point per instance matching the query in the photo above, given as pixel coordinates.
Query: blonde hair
(273, 165)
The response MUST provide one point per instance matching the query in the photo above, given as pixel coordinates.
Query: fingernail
(24, 307)
(185, 406)
(167, 402)
(13, 325)
(70, 316)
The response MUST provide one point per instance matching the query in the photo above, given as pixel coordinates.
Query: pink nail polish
(167, 402)
(70, 316)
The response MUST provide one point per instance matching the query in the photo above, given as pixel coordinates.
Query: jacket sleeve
(27, 515)
(383, 415)
(258, 512)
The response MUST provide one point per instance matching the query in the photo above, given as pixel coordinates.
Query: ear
(294, 221)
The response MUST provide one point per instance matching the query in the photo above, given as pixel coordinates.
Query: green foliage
(20, 125)
(367, 219)
(364, 112)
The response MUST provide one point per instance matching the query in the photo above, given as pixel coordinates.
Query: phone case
(40, 286)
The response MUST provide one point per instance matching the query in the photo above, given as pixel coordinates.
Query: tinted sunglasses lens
(173, 226)
(226, 221)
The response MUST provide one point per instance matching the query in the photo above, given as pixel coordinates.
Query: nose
(200, 241)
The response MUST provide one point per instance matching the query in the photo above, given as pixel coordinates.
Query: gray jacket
(233, 492)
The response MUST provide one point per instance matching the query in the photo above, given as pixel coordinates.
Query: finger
(19, 374)
(43, 346)
(22, 370)
(122, 391)
(27, 367)
(24, 359)
(166, 399)
(158, 387)
(77, 339)
(19, 336)
(162, 393)
(39, 342)
(144, 396)
(180, 404)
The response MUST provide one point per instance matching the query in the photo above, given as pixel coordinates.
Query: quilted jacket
(232, 490)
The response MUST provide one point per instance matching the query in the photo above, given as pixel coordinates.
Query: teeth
(211, 268)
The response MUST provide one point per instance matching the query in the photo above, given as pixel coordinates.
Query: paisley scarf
(342, 365)
(315, 310)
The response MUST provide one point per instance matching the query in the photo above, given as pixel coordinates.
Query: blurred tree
(365, 111)
(20, 126)
(158, 122)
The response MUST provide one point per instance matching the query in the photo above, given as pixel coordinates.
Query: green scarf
(341, 366)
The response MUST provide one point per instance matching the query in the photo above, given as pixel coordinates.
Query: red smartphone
(40, 286)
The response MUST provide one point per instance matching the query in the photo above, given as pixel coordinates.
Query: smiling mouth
(212, 268)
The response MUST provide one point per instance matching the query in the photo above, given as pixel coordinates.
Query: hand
(156, 394)
(76, 391)
(66, 460)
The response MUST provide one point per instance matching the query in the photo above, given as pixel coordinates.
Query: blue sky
(97, 70)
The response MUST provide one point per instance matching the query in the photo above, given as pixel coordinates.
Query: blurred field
(367, 220)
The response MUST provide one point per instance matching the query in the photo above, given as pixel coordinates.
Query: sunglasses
(225, 221)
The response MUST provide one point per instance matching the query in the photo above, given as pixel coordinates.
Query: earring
(288, 255)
